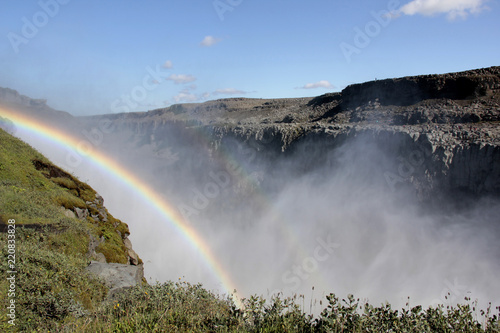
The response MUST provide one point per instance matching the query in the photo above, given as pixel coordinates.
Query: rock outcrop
(37, 107)
(411, 90)
(117, 277)
(111, 252)
(453, 115)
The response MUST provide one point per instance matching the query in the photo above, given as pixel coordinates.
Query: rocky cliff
(36, 107)
(56, 226)
(452, 119)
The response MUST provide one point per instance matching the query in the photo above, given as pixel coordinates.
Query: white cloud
(319, 84)
(453, 8)
(181, 78)
(186, 96)
(209, 41)
(168, 64)
(229, 91)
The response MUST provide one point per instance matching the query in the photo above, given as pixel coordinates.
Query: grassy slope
(54, 294)
(52, 252)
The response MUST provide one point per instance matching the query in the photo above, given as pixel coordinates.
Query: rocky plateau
(442, 130)
(449, 122)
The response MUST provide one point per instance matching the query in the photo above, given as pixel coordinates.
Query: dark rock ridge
(454, 116)
(11, 96)
(411, 90)
(36, 107)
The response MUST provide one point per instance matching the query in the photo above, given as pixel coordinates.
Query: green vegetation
(51, 248)
(52, 287)
(54, 293)
(183, 307)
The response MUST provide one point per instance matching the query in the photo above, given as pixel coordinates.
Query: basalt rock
(81, 213)
(411, 90)
(455, 115)
(133, 257)
(117, 277)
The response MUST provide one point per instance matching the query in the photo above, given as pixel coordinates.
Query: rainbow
(149, 195)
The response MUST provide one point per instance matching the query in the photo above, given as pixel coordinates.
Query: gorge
(389, 187)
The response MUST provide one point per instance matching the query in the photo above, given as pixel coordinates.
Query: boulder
(93, 244)
(68, 213)
(99, 257)
(99, 200)
(133, 257)
(117, 277)
(127, 243)
(81, 213)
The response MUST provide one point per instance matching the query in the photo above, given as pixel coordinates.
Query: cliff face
(11, 96)
(453, 118)
(36, 107)
(435, 159)
(411, 90)
(450, 119)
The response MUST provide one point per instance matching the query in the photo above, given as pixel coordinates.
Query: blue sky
(93, 57)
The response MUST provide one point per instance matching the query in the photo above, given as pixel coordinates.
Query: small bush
(113, 252)
(171, 307)
(65, 182)
(69, 201)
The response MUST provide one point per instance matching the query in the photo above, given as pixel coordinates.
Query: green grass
(183, 307)
(54, 294)
(51, 285)
(51, 255)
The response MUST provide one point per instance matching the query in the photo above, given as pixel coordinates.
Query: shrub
(51, 287)
(65, 182)
(68, 201)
